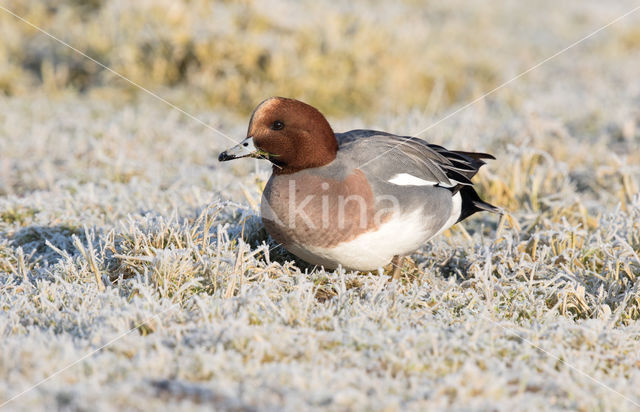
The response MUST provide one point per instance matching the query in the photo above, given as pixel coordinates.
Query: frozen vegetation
(136, 266)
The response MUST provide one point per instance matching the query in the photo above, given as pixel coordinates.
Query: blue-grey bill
(243, 149)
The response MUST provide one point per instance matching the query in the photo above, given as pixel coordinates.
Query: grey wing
(386, 155)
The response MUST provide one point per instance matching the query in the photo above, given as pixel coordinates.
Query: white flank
(398, 236)
(455, 213)
(405, 179)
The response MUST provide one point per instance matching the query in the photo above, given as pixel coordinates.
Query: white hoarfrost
(134, 264)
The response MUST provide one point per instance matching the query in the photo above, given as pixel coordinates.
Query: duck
(361, 199)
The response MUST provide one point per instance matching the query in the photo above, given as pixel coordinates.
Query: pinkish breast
(306, 209)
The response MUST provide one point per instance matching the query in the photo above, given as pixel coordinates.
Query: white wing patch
(405, 179)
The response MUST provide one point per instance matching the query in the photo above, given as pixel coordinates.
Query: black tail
(471, 203)
(463, 166)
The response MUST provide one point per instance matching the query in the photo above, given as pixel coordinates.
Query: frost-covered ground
(135, 265)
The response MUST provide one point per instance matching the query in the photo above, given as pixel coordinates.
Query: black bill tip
(224, 156)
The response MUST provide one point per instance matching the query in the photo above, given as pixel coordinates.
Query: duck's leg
(396, 262)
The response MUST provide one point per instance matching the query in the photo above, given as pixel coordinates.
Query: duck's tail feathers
(471, 203)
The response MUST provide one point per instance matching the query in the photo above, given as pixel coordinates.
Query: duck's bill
(243, 149)
(246, 148)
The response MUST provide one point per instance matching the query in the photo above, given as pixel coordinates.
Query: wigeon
(359, 199)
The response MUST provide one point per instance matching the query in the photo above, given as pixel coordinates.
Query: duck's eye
(277, 125)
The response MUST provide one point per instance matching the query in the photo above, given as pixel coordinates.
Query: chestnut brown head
(291, 134)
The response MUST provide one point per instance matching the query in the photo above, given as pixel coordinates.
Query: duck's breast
(319, 210)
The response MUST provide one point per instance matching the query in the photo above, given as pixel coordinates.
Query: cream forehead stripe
(262, 109)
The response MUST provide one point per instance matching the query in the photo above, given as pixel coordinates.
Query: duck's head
(289, 133)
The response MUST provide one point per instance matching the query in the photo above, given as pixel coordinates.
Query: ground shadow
(33, 241)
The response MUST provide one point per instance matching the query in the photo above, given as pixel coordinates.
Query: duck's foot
(396, 266)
